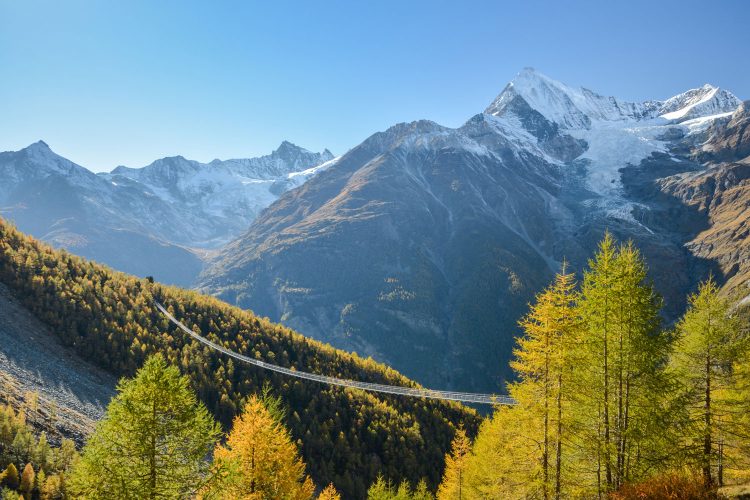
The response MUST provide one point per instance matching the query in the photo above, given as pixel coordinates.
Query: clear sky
(106, 83)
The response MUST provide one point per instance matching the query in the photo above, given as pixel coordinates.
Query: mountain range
(423, 245)
(158, 220)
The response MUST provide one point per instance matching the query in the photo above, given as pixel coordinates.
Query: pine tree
(65, 455)
(53, 488)
(380, 490)
(152, 441)
(39, 480)
(8, 494)
(708, 349)
(42, 452)
(421, 492)
(452, 486)
(495, 468)
(540, 362)
(259, 459)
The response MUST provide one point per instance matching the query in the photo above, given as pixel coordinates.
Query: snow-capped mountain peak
(695, 103)
(38, 151)
(227, 194)
(548, 97)
(615, 133)
(568, 107)
(576, 108)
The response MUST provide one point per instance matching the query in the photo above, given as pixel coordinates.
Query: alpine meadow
(374, 250)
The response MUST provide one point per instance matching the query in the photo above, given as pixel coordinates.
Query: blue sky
(106, 83)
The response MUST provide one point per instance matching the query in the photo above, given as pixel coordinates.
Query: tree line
(30, 467)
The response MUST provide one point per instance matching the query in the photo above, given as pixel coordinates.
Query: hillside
(70, 393)
(346, 436)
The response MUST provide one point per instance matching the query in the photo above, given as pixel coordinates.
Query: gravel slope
(72, 394)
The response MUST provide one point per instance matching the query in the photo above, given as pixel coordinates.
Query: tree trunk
(152, 452)
(626, 423)
(707, 479)
(558, 444)
(545, 454)
(620, 415)
(607, 439)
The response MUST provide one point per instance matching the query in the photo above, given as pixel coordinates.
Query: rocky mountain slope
(71, 393)
(423, 245)
(721, 194)
(158, 220)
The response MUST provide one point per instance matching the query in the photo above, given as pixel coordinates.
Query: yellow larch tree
(452, 486)
(259, 460)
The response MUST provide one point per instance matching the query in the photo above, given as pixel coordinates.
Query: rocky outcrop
(728, 140)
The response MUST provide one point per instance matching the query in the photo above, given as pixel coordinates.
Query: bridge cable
(464, 397)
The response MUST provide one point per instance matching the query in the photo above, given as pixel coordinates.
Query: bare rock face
(729, 141)
(70, 394)
(410, 249)
(721, 193)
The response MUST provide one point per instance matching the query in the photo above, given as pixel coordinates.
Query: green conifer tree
(708, 348)
(619, 376)
(452, 487)
(152, 441)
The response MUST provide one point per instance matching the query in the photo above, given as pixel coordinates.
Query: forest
(346, 437)
(610, 401)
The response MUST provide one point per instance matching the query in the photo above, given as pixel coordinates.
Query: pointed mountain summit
(575, 108)
(141, 220)
(569, 107)
(696, 103)
(38, 146)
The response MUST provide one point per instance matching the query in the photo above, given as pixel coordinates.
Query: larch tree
(452, 485)
(708, 349)
(259, 460)
(152, 442)
(329, 493)
(542, 368)
(10, 477)
(27, 481)
(495, 468)
(619, 355)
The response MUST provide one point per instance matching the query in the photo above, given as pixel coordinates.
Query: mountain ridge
(159, 220)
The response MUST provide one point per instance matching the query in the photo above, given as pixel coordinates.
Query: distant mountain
(423, 245)
(158, 220)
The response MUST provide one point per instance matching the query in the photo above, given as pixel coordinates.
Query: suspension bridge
(416, 392)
